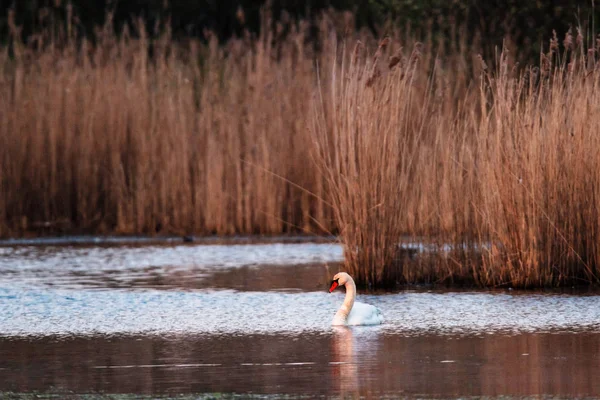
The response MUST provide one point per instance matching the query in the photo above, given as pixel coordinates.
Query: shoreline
(90, 239)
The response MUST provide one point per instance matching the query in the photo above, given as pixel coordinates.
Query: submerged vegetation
(494, 165)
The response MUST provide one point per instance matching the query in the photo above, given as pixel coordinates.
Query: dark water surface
(344, 361)
(255, 319)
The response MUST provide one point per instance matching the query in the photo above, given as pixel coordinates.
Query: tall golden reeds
(495, 179)
(493, 169)
(137, 135)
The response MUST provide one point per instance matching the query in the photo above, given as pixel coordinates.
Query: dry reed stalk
(367, 148)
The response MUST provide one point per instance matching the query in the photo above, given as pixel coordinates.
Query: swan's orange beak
(334, 284)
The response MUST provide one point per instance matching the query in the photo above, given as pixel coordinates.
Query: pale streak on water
(39, 312)
(256, 318)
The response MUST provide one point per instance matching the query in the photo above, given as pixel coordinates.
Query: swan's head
(339, 279)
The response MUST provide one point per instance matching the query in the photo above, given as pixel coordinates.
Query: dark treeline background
(529, 24)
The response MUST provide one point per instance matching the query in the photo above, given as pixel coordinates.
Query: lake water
(254, 319)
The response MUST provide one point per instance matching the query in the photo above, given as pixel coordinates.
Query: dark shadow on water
(86, 240)
(345, 361)
(266, 267)
(305, 277)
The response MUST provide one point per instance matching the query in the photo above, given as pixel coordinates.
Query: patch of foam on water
(75, 267)
(110, 312)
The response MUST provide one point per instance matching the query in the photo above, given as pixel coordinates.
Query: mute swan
(351, 312)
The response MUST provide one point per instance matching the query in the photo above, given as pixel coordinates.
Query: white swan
(351, 312)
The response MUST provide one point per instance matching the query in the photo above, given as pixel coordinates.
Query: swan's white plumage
(364, 314)
(351, 312)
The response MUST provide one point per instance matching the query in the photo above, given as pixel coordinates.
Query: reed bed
(136, 135)
(496, 176)
(494, 168)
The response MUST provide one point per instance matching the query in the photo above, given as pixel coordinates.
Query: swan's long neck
(348, 300)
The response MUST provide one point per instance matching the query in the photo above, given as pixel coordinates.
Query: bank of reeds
(137, 135)
(498, 178)
(494, 167)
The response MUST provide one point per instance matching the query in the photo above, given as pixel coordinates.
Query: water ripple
(114, 312)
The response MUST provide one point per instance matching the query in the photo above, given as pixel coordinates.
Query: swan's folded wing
(365, 314)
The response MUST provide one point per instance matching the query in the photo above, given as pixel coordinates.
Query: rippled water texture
(176, 319)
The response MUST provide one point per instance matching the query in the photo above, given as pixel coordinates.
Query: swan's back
(364, 314)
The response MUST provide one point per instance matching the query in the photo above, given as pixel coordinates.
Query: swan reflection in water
(355, 353)
(344, 366)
